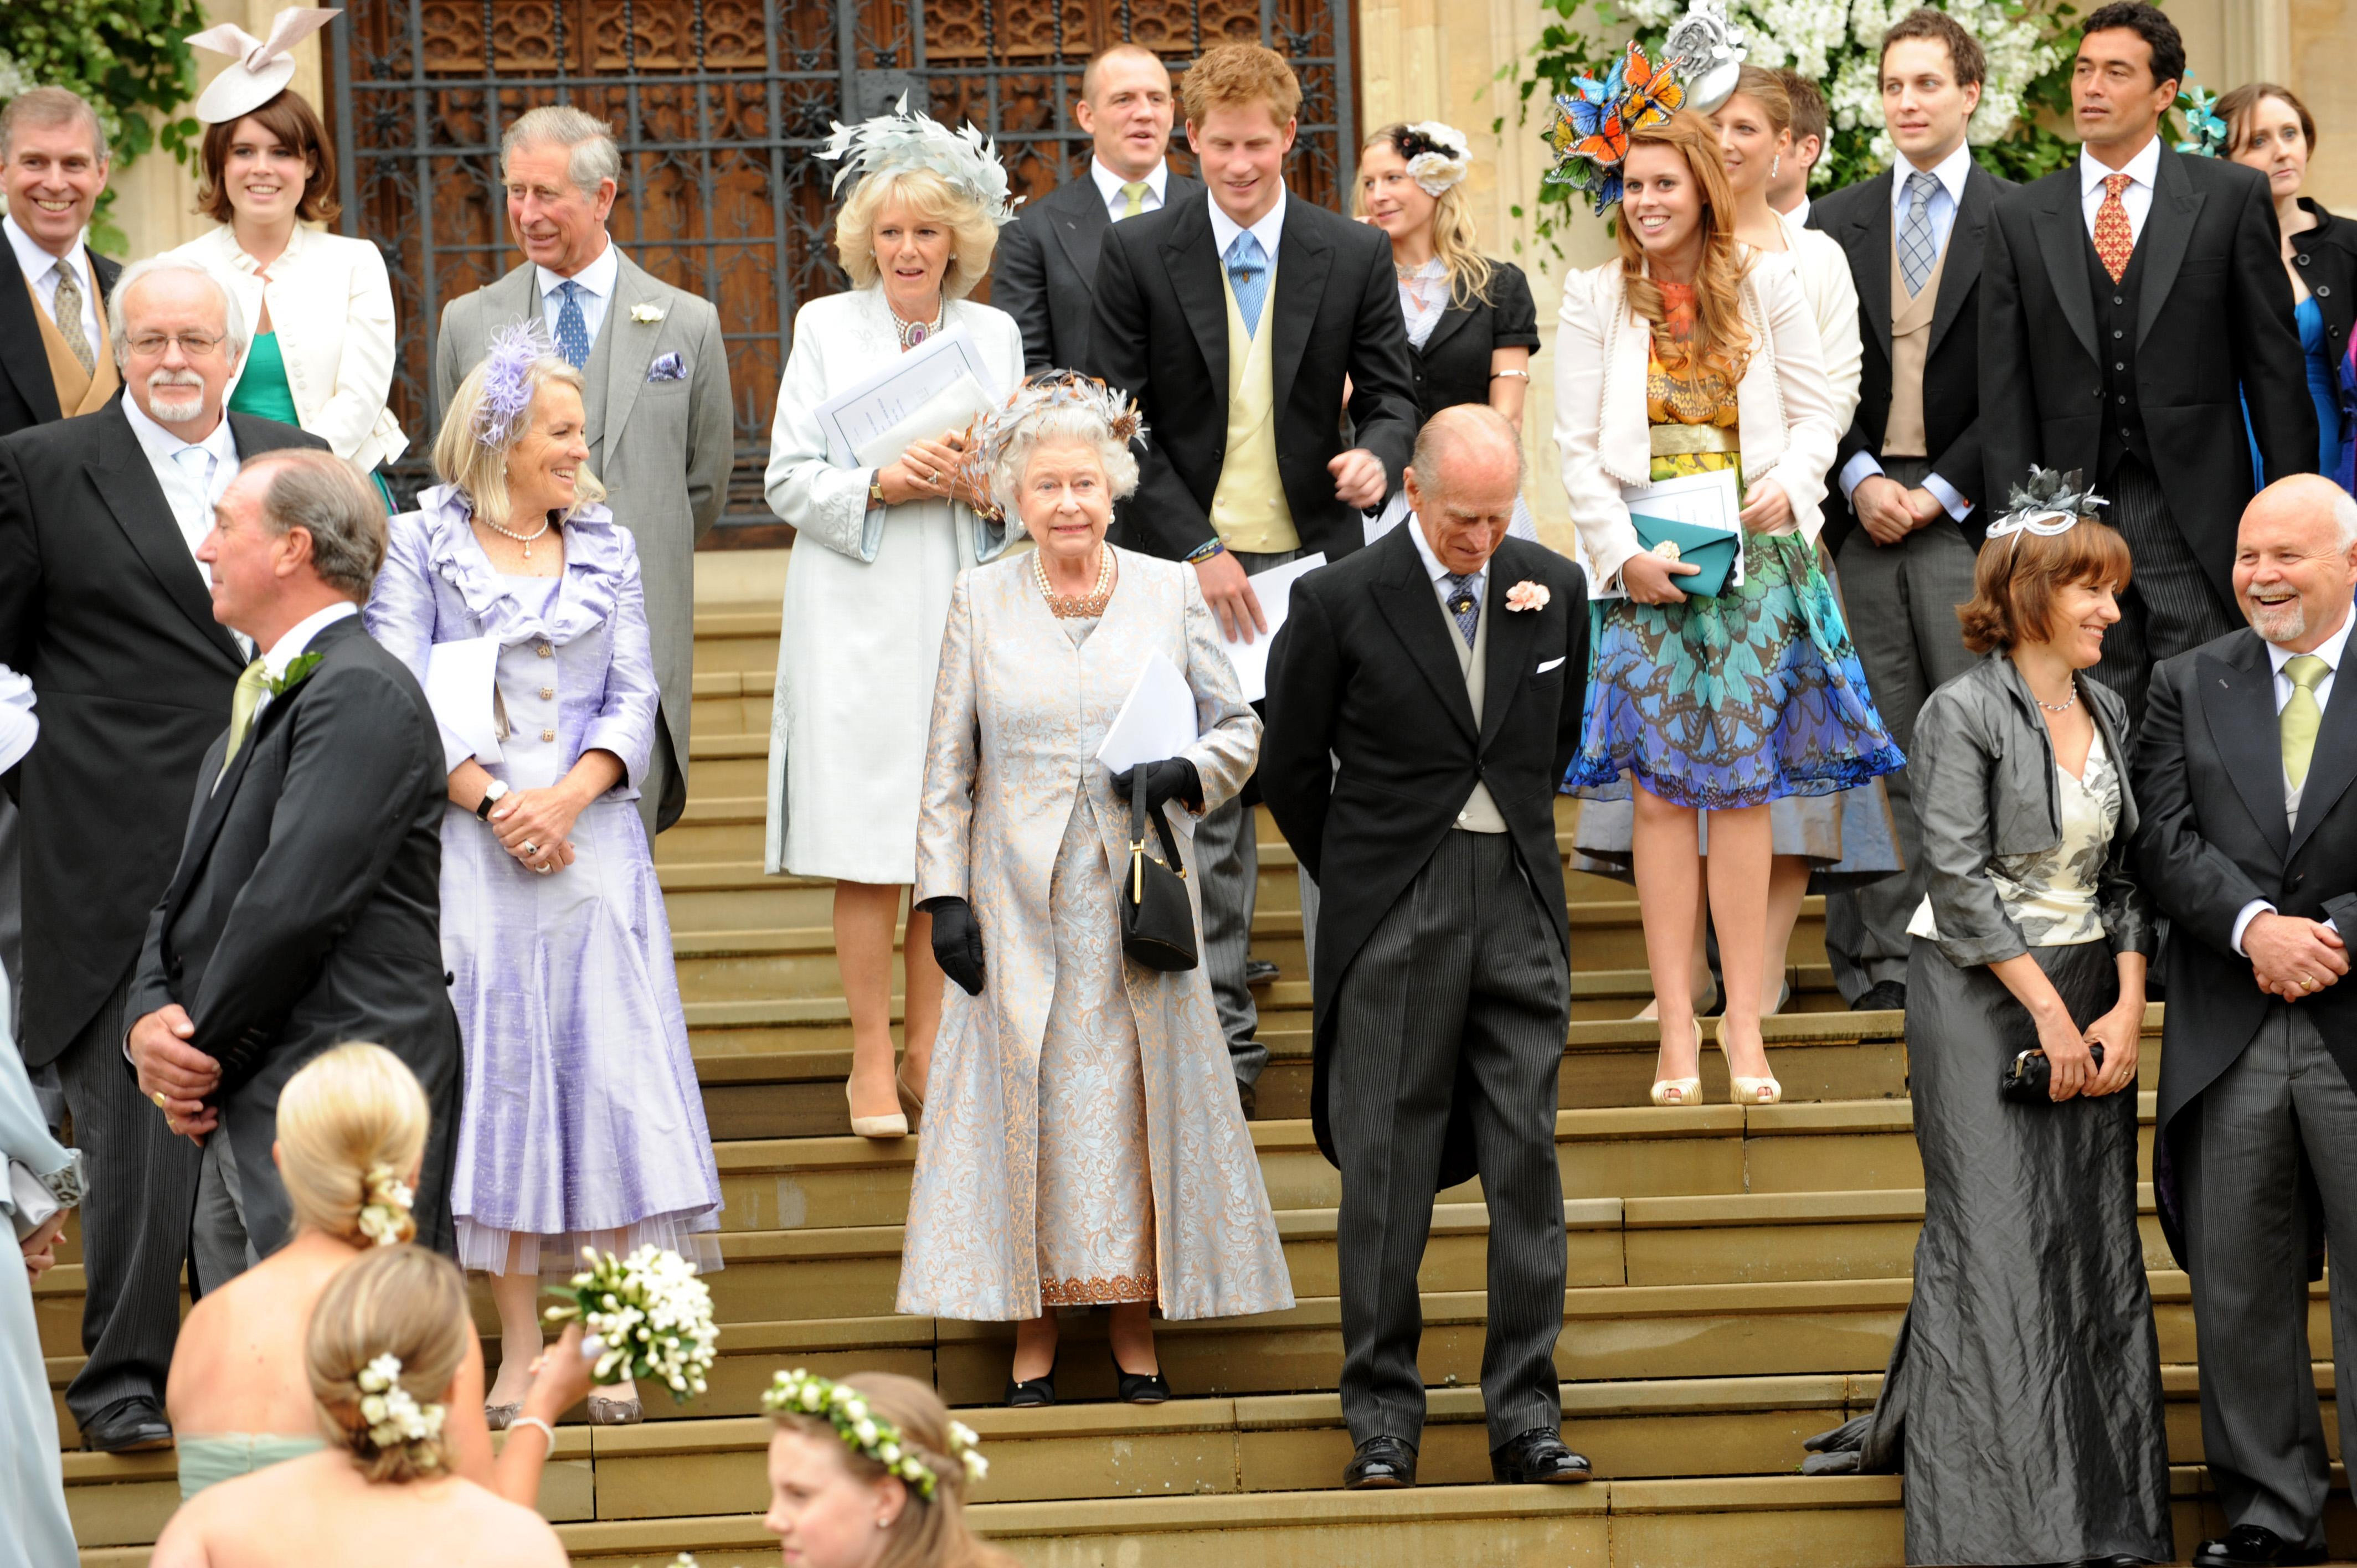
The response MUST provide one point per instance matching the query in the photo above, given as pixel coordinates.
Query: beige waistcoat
(1910, 345)
(1248, 508)
(1479, 813)
(79, 390)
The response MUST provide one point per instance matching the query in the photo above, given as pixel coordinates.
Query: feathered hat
(1589, 133)
(986, 439)
(889, 143)
(2052, 502)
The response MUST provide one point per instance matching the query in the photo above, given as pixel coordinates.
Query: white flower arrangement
(647, 1316)
(801, 1393)
(1442, 158)
(385, 1217)
(393, 1416)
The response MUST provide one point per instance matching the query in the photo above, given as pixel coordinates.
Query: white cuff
(1945, 494)
(1856, 471)
(2251, 911)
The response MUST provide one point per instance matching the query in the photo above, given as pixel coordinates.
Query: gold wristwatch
(875, 489)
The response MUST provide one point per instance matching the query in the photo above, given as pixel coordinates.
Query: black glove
(957, 941)
(1172, 778)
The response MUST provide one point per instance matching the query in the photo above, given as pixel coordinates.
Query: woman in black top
(1471, 326)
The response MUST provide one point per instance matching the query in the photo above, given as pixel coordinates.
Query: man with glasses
(106, 607)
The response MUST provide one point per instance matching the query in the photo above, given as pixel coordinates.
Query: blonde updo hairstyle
(927, 1534)
(403, 1302)
(349, 1110)
(1060, 423)
(972, 236)
(479, 467)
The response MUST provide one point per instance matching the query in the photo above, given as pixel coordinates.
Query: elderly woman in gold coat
(1083, 1144)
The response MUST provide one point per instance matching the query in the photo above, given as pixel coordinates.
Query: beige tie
(66, 310)
(1136, 190)
(2301, 717)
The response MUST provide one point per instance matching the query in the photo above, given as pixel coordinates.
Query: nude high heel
(893, 1126)
(1748, 1090)
(1682, 1090)
(912, 1105)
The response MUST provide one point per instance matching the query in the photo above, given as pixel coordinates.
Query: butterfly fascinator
(1589, 132)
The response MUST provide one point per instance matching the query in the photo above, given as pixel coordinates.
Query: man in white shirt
(1045, 276)
(106, 608)
(1910, 462)
(2247, 790)
(2134, 303)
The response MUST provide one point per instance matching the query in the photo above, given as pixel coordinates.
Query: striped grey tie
(1917, 253)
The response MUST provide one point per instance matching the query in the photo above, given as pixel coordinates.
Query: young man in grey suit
(661, 430)
(1046, 273)
(1424, 697)
(307, 908)
(1909, 464)
(2246, 784)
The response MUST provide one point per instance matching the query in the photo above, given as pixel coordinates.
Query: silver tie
(1917, 253)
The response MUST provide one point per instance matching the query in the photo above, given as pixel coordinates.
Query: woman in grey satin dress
(2023, 1399)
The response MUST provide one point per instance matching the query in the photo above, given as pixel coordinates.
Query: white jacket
(1821, 266)
(331, 305)
(1789, 422)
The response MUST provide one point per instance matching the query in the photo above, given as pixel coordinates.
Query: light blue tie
(571, 331)
(1917, 253)
(1248, 275)
(1464, 603)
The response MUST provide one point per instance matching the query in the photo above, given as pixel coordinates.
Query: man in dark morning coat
(305, 910)
(1046, 271)
(2248, 843)
(2131, 304)
(1239, 376)
(1909, 464)
(1425, 699)
(103, 605)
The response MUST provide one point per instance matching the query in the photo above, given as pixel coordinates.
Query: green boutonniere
(297, 669)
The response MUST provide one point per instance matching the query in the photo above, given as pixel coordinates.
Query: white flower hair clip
(394, 1417)
(385, 1217)
(1437, 155)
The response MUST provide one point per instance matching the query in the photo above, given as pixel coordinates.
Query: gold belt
(1673, 440)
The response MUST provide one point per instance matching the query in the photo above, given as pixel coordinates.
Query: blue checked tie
(1917, 253)
(1464, 603)
(1248, 275)
(571, 331)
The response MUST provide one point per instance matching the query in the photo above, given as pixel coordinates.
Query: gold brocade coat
(1018, 712)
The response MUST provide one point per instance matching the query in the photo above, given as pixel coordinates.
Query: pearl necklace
(915, 332)
(2061, 707)
(523, 539)
(1064, 608)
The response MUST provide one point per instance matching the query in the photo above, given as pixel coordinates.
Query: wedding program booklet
(941, 384)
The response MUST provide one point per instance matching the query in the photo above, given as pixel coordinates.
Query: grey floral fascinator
(889, 144)
(2052, 502)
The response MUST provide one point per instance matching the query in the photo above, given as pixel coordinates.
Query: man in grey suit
(2248, 839)
(1424, 697)
(662, 432)
(1047, 268)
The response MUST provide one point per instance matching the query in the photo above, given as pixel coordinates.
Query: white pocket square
(1547, 666)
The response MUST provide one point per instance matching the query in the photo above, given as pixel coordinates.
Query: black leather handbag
(2029, 1077)
(1158, 921)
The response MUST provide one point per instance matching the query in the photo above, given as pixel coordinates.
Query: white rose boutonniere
(647, 312)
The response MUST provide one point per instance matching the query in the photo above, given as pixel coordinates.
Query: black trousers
(1461, 988)
(2170, 605)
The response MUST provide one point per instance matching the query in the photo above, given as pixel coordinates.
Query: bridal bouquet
(646, 1316)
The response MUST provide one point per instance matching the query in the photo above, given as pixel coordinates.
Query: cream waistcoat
(1248, 508)
(1910, 345)
(1479, 813)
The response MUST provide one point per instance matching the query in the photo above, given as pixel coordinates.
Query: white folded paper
(1156, 719)
(871, 416)
(1275, 587)
(462, 688)
(1704, 500)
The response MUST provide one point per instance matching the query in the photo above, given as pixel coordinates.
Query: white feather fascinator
(889, 144)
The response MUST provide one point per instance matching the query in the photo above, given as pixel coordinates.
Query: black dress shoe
(1139, 1388)
(2252, 1546)
(1882, 996)
(1382, 1463)
(1037, 1391)
(130, 1425)
(1537, 1456)
(2121, 1561)
(1259, 971)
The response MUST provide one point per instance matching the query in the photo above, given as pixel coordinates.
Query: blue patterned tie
(1248, 275)
(1917, 253)
(1464, 603)
(571, 331)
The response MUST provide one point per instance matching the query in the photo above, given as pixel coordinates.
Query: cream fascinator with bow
(259, 69)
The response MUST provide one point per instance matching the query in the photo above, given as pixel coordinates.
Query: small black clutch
(1157, 922)
(2026, 1078)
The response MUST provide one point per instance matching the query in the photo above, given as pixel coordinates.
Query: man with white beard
(105, 606)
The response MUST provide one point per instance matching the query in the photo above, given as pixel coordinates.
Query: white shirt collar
(37, 261)
(2329, 650)
(1433, 567)
(1109, 184)
(163, 445)
(599, 277)
(297, 638)
(1268, 231)
(1949, 171)
(2144, 168)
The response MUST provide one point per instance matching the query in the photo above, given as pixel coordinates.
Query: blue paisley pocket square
(671, 367)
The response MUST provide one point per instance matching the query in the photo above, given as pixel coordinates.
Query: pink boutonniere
(1527, 595)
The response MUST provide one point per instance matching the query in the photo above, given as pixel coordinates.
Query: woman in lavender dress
(583, 1123)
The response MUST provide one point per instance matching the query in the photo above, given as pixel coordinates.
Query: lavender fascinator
(889, 144)
(506, 380)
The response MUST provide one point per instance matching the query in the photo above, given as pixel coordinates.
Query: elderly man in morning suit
(2248, 843)
(1046, 269)
(661, 431)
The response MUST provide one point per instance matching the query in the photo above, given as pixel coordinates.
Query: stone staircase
(1736, 1276)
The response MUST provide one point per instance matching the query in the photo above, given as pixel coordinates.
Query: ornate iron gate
(719, 106)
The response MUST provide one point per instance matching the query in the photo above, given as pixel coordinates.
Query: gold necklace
(1064, 608)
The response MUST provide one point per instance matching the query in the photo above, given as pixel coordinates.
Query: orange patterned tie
(2113, 242)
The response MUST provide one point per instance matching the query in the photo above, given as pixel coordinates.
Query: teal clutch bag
(1708, 548)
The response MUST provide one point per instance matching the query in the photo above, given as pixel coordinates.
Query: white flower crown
(799, 1392)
